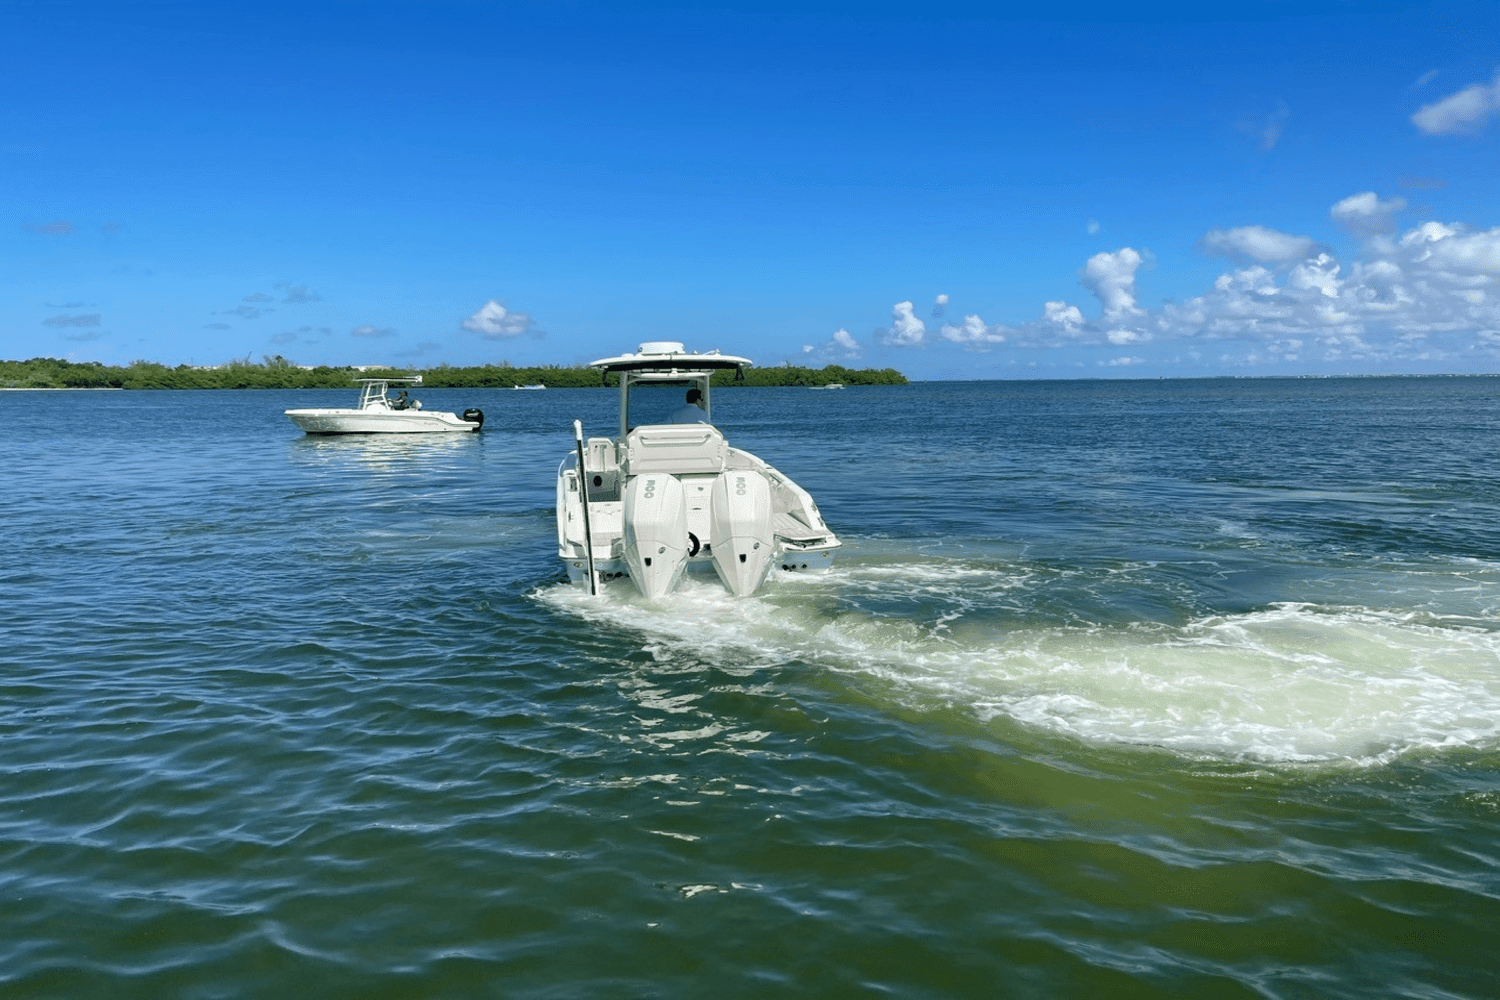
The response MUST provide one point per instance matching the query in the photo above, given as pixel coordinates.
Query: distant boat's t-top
(667, 494)
(378, 413)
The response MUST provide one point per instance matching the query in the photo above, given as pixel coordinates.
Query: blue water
(1181, 688)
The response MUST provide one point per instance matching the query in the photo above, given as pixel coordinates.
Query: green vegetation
(276, 372)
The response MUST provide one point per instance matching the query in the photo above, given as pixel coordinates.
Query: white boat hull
(336, 420)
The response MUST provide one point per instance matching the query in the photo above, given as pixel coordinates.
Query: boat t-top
(668, 495)
(379, 413)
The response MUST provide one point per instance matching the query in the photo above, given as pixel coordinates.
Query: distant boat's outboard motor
(656, 533)
(474, 416)
(740, 533)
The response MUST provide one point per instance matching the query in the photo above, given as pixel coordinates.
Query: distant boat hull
(345, 420)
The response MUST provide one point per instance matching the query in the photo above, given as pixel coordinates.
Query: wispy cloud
(1466, 111)
(297, 294)
(83, 319)
(1365, 214)
(58, 228)
(1275, 124)
(246, 312)
(372, 332)
(1259, 244)
(258, 297)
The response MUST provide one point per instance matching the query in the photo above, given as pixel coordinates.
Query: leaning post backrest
(677, 449)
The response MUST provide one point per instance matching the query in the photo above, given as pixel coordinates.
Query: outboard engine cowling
(656, 533)
(474, 416)
(740, 533)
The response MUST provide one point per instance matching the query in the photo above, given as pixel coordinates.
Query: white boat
(667, 497)
(537, 386)
(830, 385)
(378, 413)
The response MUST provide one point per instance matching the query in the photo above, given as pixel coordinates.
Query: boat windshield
(664, 401)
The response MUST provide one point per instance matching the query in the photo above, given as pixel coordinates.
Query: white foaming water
(1288, 683)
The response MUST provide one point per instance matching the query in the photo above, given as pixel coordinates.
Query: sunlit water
(1143, 688)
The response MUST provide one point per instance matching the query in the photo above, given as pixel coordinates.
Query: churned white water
(1289, 682)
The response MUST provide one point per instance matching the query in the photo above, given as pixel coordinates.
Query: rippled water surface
(1118, 688)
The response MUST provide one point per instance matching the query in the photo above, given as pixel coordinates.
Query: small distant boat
(378, 413)
(528, 387)
(668, 494)
(830, 385)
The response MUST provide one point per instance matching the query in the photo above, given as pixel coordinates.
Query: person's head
(695, 397)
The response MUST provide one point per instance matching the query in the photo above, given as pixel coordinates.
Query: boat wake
(1289, 682)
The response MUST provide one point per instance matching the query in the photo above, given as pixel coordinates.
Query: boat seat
(677, 449)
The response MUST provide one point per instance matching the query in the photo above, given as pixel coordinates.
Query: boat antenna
(583, 494)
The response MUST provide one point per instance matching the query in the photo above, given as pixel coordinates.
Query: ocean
(1117, 688)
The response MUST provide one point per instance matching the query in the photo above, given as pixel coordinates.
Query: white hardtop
(666, 363)
(669, 356)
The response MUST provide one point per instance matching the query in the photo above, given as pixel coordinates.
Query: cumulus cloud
(939, 306)
(974, 333)
(842, 346)
(495, 322)
(1111, 277)
(1259, 244)
(1468, 110)
(906, 330)
(1364, 214)
(1424, 294)
(371, 332)
(84, 319)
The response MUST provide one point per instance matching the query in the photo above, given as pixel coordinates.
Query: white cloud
(1366, 215)
(1429, 293)
(371, 332)
(1111, 277)
(1092, 227)
(842, 346)
(1466, 111)
(1060, 314)
(939, 306)
(906, 330)
(974, 333)
(1257, 243)
(494, 321)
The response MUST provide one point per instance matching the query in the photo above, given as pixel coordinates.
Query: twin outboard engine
(474, 416)
(656, 533)
(740, 535)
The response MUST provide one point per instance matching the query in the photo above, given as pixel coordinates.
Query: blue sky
(955, 190)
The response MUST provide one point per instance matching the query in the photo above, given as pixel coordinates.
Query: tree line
(276, 372)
